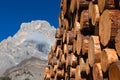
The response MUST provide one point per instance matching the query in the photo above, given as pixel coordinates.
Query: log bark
(84, 68)
(59, 65)
(55, 68)
(86, 29)
(52, 73)
(117, 4)
(65, 49)
(73, 60)
(74, 46)
(85, 45)
(58, 52)
(63, 61)
(58, 42)
(82, 65)
(73, 6)
(66, 76)
(97, 72)
(64, 38)
(82, 4)
(71, 35)
(59, 74)
(117, 43)
(114, 71)
(95, 15)
(53, 48)
(108, 25)
(54, 60)
(105, 4)
(78, 43)
(84, 19)
(90, 10)
(68, 61)
(66, 24)
(77, 73)
(50, 56)
(87, 67)
(95, 1)
(106, 79)
(47, 69)
(88, 0)
(61, 19)
(77, 26)
(64, 8)
(70, 48)
(47, 77)
(94, 50)
(77, 23)
(108, 57)
(59, 33)
(72, 78)
(72, 72)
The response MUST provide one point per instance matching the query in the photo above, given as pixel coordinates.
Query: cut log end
(114, 71)
(108, 56)
(78, 43)
(95, 15)
(97, 72)
(73, 6)
(84, 19)
(117, 44)
(73, 60)
(103, 4)
(108, 25)
(94, 51)
(85, 45)
(90, 10)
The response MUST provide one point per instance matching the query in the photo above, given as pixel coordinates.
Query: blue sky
(15, 12)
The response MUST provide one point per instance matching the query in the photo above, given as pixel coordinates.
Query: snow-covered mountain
(34, 39)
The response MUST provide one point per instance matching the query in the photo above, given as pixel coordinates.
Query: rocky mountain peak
(33, 39)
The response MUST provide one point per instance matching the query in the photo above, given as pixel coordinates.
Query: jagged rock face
(34, 39)
(29, 69)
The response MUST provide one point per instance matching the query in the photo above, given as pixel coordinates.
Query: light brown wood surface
(66, 24)
(105, 4)
(84, 19)
(78, 73)
(73, 5)
(85, 45)
(78, 43)
(117, 43)
(71, 35)
(82, 4)
(97, 72)
(90, 9)
(114, 71)
(94, 50)
(95, 15)
(108, 57)
(59, 32)
(108, 25)
(73, 60)
(72, 72)
(64, 6)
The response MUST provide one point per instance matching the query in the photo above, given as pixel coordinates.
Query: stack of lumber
(87, 43)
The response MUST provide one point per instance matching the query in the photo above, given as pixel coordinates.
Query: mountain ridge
(33, 39)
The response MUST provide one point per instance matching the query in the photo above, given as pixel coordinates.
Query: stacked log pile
(87, 41)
